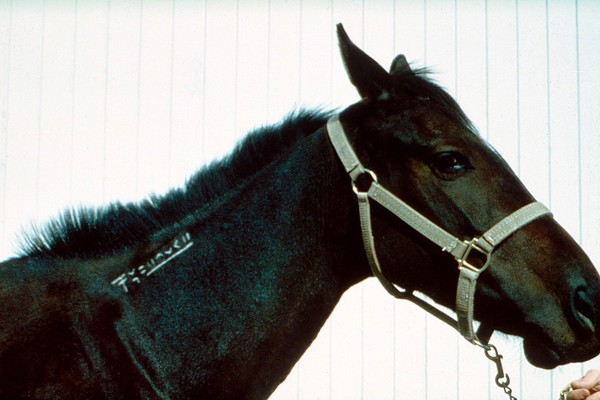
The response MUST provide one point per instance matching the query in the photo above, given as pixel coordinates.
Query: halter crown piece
(464, 252)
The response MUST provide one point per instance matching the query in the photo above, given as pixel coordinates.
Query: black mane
(102, 231)
(96, 232)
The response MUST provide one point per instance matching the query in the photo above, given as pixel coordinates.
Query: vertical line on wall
(487, 72)
(518, 105)
(332, 40)
(425, 32)
(548, 100)
(394, 304)
(171, 72)
(299, 97)
(578, 89)
(579, 139)
(426, 318)
(139, 101)
(487, 110)
(394, 10)
(548, 104)
(203, 94)
(105, 105)
(268, 83)
(70, 151)
(457, 338)
(455, 49)
(518, 57)
(299, 53)
(362, 287)
(236, 79)
(5, 118)
(39, 108)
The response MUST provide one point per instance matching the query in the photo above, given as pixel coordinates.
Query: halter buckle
(478, 260)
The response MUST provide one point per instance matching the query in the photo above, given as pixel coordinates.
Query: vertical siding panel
(284, 58)
(470, 61)
(346, 341)
(502, 81)
(316, 46)
(589, 120)
(378, 343)
(409, 27)
(22, 116)
(122, 101)
(188, 71)
(56, 105)
(5, 57)
(89, 121)
(221, 78)
(252, 55)
(156, 74)
(533, 107)
(563, 114)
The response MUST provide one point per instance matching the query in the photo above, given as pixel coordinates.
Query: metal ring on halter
(355, 188)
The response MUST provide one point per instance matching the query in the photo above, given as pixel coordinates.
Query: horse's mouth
(542, 355)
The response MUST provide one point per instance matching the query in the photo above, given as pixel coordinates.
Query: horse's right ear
(371, 80)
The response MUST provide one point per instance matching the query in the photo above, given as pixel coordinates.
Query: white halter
(469, 270)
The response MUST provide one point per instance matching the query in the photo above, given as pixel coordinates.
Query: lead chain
(502, 379)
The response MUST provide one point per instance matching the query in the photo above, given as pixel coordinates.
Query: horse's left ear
(400, 65)
(371, 80)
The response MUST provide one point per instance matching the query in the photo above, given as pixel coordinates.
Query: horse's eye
(450, 164)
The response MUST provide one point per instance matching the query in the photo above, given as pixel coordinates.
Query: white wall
(112, 100)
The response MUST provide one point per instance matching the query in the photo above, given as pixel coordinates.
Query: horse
(214, 290)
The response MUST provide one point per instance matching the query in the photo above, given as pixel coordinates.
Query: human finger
(590, 380)
(578, 394)
(595, 396)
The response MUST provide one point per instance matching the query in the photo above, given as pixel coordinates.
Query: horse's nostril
(583, 309)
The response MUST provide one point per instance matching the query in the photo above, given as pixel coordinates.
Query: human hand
(586, 388)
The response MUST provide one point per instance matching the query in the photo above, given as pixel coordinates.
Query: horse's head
(540, 285)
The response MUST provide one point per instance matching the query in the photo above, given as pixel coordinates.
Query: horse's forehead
(436, 128)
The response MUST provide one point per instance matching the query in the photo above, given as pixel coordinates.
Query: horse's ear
(399, 65)
(371, 80)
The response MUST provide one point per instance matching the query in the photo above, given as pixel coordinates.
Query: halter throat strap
(473, 256)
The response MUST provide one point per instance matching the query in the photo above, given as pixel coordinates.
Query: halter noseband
(463, 251)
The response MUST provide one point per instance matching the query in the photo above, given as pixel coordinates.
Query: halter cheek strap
(473, 256)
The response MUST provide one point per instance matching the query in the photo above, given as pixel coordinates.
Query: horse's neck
(288, 261)
(227, 319)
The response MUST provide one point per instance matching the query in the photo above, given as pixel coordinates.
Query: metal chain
(502, 379)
